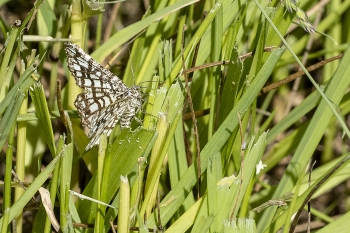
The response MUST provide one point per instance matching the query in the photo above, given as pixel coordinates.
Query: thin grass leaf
(25, 81)
(21, 154)
(65, 181)
(214, 174)
(46, 21)
(42, 112)
(8, 80)
(80, 141)
(177, 157)
(340, 225)
(302, 109)
(100, 209)
(187, 219)
(53, 115)
(9, 118)
(203, 224)
(284, 147)
(231, 86)
(7, 182)
(124, 205)
(214, 75)
(267, 122)
(178, 164)
(6, 59)
(53, 187)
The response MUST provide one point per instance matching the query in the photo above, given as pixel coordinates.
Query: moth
(106, 99)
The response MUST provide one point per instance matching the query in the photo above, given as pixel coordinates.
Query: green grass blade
(340, 225)
(214, 174)
(124, 205)
(214, 73)
(187, 219)
(42, 112)
(9, 118)
(65, 181)
(54, 183)
(7, 182)
(302, 109)
(46, 20)
(24, 82)
(6, 60)
(100, 209)
(203, 224)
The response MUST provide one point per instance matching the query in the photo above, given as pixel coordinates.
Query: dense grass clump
(243, 126)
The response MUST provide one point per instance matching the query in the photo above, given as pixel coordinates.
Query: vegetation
(226, 142)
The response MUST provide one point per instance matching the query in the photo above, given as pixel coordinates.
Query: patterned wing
(105, 124)
(122, 110)
(89, 74)
(90, 105)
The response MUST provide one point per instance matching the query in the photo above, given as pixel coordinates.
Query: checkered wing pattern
(106, 100)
